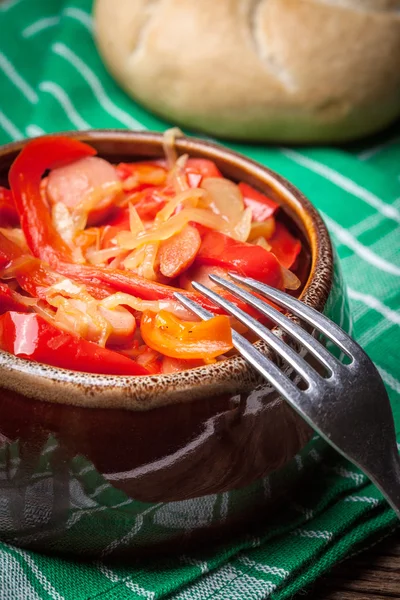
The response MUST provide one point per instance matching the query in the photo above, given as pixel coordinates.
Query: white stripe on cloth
(359, 478)
(20, 83)
(201, 564)
(44, 582)
(370, 222)
(59, 94)
(365, 253)
(375, 304)
(96, 86)
(283, 573)
(311, 533)
(40, 25)
(370, 335)
(344, 183)
(134, 587)
(79, 15)
(224, 505)
(76, 516)
(134, 531)
(14, 583)
(33, 130)
(367, 499)
(307, 512)
(389, 379)
(367, 154)
(227, 582)
(246, 586)
(9, 127)
(7, 5)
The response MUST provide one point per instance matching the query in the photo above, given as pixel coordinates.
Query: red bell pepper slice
(30, 336)
(8, 302)
(130, 283)
(246, 259)
(35, 277)
(285, 247)
(8, 212)
(261, 206)
(25, 175)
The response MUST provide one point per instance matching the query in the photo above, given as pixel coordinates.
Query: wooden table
(372, 575)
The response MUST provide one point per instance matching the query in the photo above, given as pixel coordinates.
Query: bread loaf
(268, 70)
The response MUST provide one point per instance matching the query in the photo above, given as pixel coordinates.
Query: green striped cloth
(52, 79)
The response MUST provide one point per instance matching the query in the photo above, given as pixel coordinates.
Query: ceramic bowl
(101, 465)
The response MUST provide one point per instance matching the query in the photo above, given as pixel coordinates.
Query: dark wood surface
(372, 575)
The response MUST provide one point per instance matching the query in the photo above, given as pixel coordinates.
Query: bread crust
(278, 70)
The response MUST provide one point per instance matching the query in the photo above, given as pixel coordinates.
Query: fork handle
(388, 482)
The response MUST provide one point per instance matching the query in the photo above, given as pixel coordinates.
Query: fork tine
(302, 336)
(261, 363)
(285, 351)
(308, 314)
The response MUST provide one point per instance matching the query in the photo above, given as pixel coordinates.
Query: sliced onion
(18, 265)
(25, 300)
(188, 199)
(134, 259)
(226, 198)
(266, 229)
(66, 287)
(94, 198)
(63, 222)
(290, 280)
(135, 222)
(146, 269)
(242, 229)
(45, 312)
(261, 241)
(169, 145)
(174, 225)
(140, 305)
(15, 235)
(101, 257)
(177, 176)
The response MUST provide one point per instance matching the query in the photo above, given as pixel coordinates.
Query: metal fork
(349, 407)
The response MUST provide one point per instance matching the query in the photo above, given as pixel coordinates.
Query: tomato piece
(178, 252)
(261, 206)
(30, 336)
(246, 259)
(203, 167)
(173, 337)
(284, 246)
(8, 212)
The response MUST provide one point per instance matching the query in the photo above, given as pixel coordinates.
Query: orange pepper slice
(173, 337)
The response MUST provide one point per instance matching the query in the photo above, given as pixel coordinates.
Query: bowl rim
(39, 381)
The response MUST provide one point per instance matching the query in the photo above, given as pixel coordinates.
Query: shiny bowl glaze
(101, 465)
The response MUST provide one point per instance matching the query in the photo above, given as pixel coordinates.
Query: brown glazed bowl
(102, 465)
